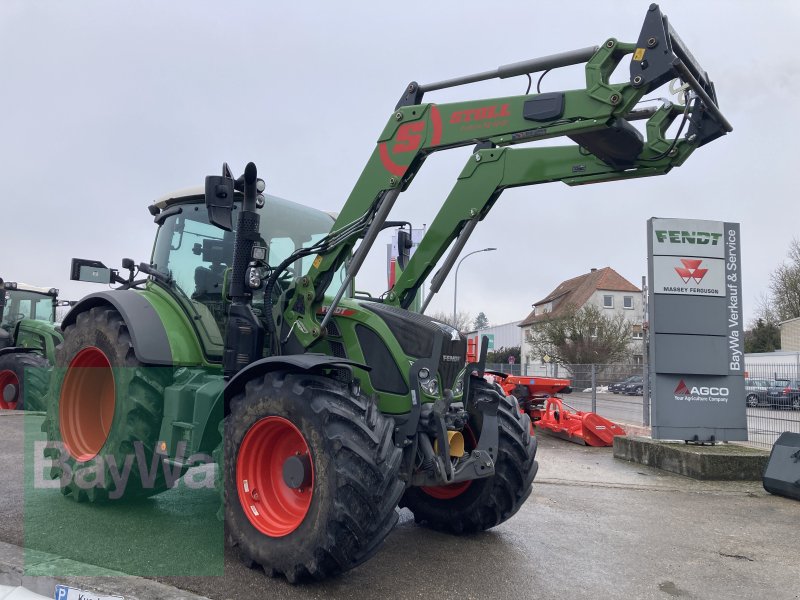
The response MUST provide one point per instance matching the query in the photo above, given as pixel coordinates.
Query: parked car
(756, 391)
(619, 387)
(634, 389)
(784, 393)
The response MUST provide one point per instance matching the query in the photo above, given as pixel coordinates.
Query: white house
(604, 288)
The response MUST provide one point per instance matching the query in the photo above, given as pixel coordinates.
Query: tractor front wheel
(310, 475)
(481, 504)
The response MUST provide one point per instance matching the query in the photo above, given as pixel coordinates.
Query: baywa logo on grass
(684, 393)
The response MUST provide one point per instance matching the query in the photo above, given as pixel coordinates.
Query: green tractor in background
(28, 337)
(242, 337)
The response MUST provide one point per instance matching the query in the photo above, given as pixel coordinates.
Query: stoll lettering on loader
(327, 409)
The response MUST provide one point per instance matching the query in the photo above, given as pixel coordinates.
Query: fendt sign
(696, 337)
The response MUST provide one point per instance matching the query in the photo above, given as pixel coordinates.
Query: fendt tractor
(28, 338)
(327, 409)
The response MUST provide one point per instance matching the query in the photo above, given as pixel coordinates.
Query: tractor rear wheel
(481, 504)
(104, 411)
(21, 389)
(310, 475)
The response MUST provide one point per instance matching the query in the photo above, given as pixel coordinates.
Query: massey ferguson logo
(691, 270)
(701, 393)
(480, 114)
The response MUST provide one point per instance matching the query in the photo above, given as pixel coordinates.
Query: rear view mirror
(219, 199)
(92, 271)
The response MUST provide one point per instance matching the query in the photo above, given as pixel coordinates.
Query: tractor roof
(198, 193)
(24, 287)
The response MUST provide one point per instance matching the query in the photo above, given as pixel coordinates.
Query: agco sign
(701, 393)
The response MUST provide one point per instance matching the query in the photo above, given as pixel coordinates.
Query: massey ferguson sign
(695, 334)
(689, 276)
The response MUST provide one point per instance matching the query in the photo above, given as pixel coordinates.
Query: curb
(32, 570)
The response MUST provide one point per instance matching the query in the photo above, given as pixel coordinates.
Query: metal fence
(767, 417)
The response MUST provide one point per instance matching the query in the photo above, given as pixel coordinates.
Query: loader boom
(595, 117)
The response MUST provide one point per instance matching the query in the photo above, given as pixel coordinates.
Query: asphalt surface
(593, 528)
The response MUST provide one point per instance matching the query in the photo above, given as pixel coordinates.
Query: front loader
(28, 337)
(326, 409)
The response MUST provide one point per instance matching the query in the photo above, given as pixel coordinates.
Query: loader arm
(491, 170)
(594, 117)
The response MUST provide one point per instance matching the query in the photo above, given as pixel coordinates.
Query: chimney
(592, 270)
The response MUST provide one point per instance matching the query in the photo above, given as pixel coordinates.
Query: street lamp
(455, 291)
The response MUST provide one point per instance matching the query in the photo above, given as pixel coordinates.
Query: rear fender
(148, 334)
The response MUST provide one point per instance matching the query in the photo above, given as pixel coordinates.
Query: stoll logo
(700, 393)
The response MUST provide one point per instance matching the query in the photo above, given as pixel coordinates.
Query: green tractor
(326, 409)
(28, 337)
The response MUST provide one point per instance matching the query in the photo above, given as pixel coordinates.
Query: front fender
(293, 362)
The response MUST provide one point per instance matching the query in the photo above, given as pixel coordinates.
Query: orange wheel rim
(273, 447)
(87, 402)
(9, 390)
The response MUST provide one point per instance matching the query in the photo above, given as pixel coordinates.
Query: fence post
(594, 388)
(646, 395)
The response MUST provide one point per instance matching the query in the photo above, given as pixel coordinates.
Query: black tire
(355, 489)
(137, 405)
(489, 501)
(752, 400)
(32, 389)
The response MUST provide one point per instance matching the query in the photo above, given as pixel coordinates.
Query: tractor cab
(23, 301)
(198, 256)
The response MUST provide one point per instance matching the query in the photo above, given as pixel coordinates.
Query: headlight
(428, 384)
(458, 388)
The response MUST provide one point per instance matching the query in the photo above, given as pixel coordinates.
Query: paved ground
(594, 528)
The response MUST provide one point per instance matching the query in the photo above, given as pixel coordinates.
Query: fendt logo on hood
(691, 270)
(701, 393)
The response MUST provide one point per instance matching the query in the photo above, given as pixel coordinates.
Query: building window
(608, 301)
(627, 302)
(637, 335)
(638, 359)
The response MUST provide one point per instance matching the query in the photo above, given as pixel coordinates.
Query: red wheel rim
(86, 405)
(271, 506)
(8, 378)
(448, 492)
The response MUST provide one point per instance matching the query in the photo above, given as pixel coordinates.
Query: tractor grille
(337, 349)
(449, 368)
(333, 329)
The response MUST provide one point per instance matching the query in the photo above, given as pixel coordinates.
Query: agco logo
(702, 392)
(480, 114)
(688, 237)
(691, 270)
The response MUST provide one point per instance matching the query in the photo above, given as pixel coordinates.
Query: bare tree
(462, 322)
(785, 285)
(582, 336)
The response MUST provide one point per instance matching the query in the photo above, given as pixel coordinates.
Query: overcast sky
(108, 105)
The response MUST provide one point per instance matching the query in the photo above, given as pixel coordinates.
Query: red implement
(587, 428)
(537, 397)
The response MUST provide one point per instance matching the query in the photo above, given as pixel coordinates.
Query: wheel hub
(297, 471)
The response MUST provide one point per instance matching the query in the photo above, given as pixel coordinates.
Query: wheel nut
(254, 495)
